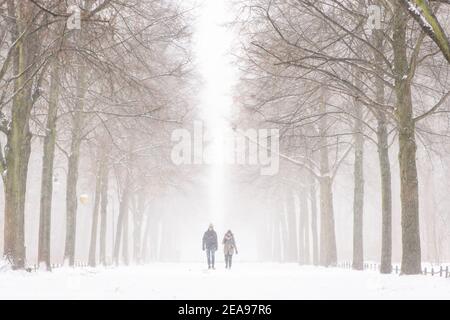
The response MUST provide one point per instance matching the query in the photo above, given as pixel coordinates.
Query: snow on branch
(421, 11)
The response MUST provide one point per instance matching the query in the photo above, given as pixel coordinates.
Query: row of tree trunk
(294, 237)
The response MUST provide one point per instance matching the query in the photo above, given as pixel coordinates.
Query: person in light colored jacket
(229, 248)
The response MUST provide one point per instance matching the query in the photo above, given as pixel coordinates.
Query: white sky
(213, 41)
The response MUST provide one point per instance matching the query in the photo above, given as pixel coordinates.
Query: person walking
(210, 245)
(229, 248)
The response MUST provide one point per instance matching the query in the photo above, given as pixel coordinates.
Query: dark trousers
(228, 260)
(210, 255)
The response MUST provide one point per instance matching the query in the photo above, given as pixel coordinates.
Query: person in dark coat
(210, 245)
(229, 248)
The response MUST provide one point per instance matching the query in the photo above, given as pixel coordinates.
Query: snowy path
(245, 281)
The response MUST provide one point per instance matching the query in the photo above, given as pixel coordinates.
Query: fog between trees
(87, 117)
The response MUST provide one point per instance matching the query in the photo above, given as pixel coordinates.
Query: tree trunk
(358, 195)
(118, 238)
(277, 247)
(44, 255)
(15, 190)
(19, 136)
(267, 230)
(304, 227)
(103, 215)
(386, 195)
(284, 236)
(146, 254)
(125, 234)
(72, 175)
(74, 157)
(411, 255)
(154, 239)
(291, 245)
(328, 252)
(122, 224)
(137, 228)
(301, 235)
(94, 226)
(384, 161)
(315, 237)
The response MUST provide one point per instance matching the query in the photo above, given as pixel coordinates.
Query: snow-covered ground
(244, 281)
